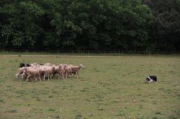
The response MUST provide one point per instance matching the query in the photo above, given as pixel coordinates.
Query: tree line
(118, 25)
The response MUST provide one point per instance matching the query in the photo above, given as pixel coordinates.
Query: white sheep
(20, 72)
(75, 70)
(61, 70)
(48, 71)
(38, 72)
(56, 69)
(68, 70)
(33, 73)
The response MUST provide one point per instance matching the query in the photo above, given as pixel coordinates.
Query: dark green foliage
(118, 25)
(166, 24)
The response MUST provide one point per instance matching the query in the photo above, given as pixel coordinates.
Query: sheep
(75, 70)
(20, 72)
(37, 71)
(56, 71)
(68, 70)
(33, 73)
(49, 70)
(42, 72)
(60, 70)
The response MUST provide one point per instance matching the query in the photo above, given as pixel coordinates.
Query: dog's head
(150, 79)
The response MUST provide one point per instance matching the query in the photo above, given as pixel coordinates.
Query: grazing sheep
(75, 70)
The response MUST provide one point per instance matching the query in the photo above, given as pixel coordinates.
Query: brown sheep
(75, 70)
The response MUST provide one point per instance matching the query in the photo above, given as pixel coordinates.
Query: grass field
(109, 87)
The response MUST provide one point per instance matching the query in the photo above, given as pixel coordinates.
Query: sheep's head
(23, 75)
(47, 64)
(17, 75)
(60, 65)
(65, 65)
(81, 66)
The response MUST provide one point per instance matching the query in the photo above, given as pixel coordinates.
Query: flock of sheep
(35, 71)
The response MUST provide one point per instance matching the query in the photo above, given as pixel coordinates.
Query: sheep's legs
(77, 75)
(69, 75)
(58, 75)
(62, 76)
(40, 78)
(35, 78)
(27, 78)
(66, 75)
(73, 75)
(48, 76)
(44, 77)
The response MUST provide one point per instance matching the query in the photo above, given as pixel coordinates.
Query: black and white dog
(24, 65)
(151, 79)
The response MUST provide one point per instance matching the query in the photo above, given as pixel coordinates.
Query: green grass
(109, 87)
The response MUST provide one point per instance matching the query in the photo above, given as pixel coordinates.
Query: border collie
(151, 79)
(24, 65)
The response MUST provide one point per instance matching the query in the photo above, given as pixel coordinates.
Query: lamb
(75, 69)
